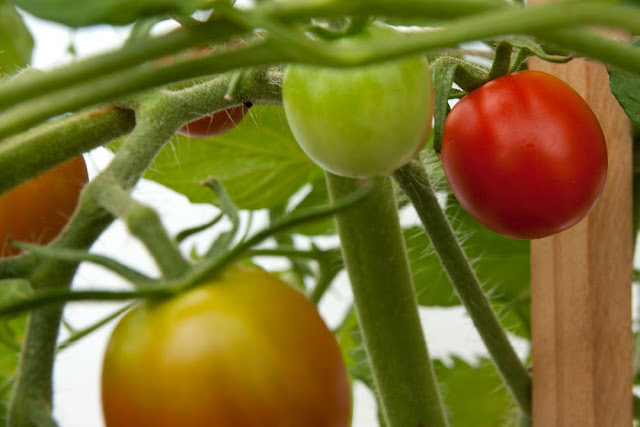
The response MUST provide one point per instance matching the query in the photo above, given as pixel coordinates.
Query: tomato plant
(217, 123)
(363, 121)
(334, 79)
(37, 210)
(525, 155)
(243, 350)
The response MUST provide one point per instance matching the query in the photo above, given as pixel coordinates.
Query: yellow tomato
(245, 350)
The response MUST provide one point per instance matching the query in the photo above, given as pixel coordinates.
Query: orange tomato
(37, 210)
(244, 350)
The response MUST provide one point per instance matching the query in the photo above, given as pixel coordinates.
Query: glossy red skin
(37, 210)
(245, 350)
(525, 155)
(215, 124)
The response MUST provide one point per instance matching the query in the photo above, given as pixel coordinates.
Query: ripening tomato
(364, 121)
(37, 210)
(244, 350)
(221, 121)
(217, 123)
(524, 155)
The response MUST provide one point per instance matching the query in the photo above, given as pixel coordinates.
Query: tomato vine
(127, 95)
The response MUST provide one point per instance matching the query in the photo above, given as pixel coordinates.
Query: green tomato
(364, 121)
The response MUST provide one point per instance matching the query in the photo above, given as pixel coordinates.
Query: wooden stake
(581, 286)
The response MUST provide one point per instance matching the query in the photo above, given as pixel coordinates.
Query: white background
(77, 370)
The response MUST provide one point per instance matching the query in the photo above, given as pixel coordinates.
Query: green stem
(299, 266)
(64, 254)
(619, 54)
(128, 82)
(31, 398)
(211, 266)
(44, 300)
(78, 335)
(386, 305)
(39, 149)
(329, 263)
(32, 86)
(28, 87)
(636, 407)
(413, 179)
(144, 223)
(501, 61)
(100, 87)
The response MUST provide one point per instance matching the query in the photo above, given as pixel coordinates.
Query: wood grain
(581, 286)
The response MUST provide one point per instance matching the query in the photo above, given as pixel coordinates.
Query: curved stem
(386, 305)
(413, 179)
(144, 223)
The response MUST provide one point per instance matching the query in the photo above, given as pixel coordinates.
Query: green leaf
(16, 43)
(76, 13)
(626, 89)
(11, 333)
(474, 395)
(259, 162)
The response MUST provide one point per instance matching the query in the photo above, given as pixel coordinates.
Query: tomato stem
(386, 305)
(502, 61)
(65, 254)
(31, 99)
(31, 153)
(413, 179)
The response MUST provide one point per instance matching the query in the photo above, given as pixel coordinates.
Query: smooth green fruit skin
(360, 122)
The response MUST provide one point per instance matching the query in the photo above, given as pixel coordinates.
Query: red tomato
(524, 155)
(217, 123)
(245, 350)
(37, 210)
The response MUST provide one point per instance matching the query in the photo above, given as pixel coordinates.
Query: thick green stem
(386, 305)
(413, 179)
(32, 393)
(39, 149)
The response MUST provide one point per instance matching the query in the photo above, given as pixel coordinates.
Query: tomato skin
(217, 123)
(525, 155)
(246, 350)
(37, 210)
(360, 122)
